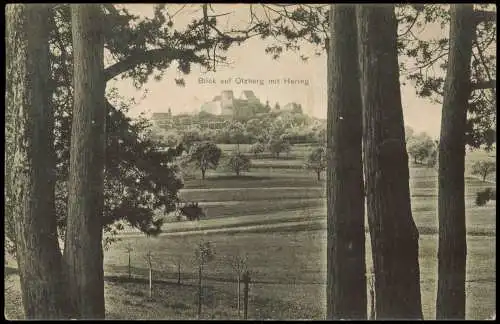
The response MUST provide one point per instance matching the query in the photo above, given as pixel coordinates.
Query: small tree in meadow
(317, 161)
(279, 145)
(150, 268)
(205, 155)
(239, 265)
(483, 168)
(432, 160)
(420, 147)
(204, 253)
(238, 163)
(257, 148)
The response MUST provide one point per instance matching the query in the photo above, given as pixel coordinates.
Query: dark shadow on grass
(145, 281)
(240, 177)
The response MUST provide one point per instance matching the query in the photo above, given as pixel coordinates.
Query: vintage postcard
(250, 161)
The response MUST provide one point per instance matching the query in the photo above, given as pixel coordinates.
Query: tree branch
(411, 25)
(484, 16)
(483, 61)
(151, 56)
(489, 84)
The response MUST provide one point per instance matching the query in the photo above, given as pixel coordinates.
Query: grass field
(276, 215)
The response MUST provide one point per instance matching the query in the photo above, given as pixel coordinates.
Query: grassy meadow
(276, 215)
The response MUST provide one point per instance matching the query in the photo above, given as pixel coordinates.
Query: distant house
(162, 119)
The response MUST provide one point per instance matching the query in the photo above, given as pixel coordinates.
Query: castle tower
(227, 103)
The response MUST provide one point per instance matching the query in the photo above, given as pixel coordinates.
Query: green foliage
(205, 155)
(191, 136)
(483, 168)
(278, 145)
(421, 147)
(297, 109)
(245, 110)
(205, 252)
(432, 160)
(140, 177)
(483, 196)
(257, 148)
(423, 53)
(236, 132)
(409, 133)
(426, 62)
(238, 162)
(317, 160)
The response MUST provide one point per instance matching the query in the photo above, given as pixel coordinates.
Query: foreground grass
(282, 231)
(288, 269)
(288, 277)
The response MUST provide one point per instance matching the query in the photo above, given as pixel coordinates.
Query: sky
(250, 62)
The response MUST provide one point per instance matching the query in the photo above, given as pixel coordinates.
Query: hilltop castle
(224, 103)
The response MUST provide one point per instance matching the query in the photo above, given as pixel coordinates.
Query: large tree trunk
(452, 250)
(83, 245)
(29, 161)
(346, 280)
(393, 233)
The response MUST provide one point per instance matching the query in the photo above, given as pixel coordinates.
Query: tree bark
(393, 233)
(83, 243)
(29, 160)
(452, 251)
(346, 280)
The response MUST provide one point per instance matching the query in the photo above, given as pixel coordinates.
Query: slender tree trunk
(150, 282)
(129, 267)
(346, 280)
(83, 245)
(452, 251)
(200, 272)
(246, 288)
(239, 295)
(30, 163)
(318, 173)
(179, 273)
(393, 232)
(203, 174)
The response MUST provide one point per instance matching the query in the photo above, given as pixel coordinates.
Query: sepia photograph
(251, 161)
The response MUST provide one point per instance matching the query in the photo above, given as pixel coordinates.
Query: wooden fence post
(246, 281)
(150, 265)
